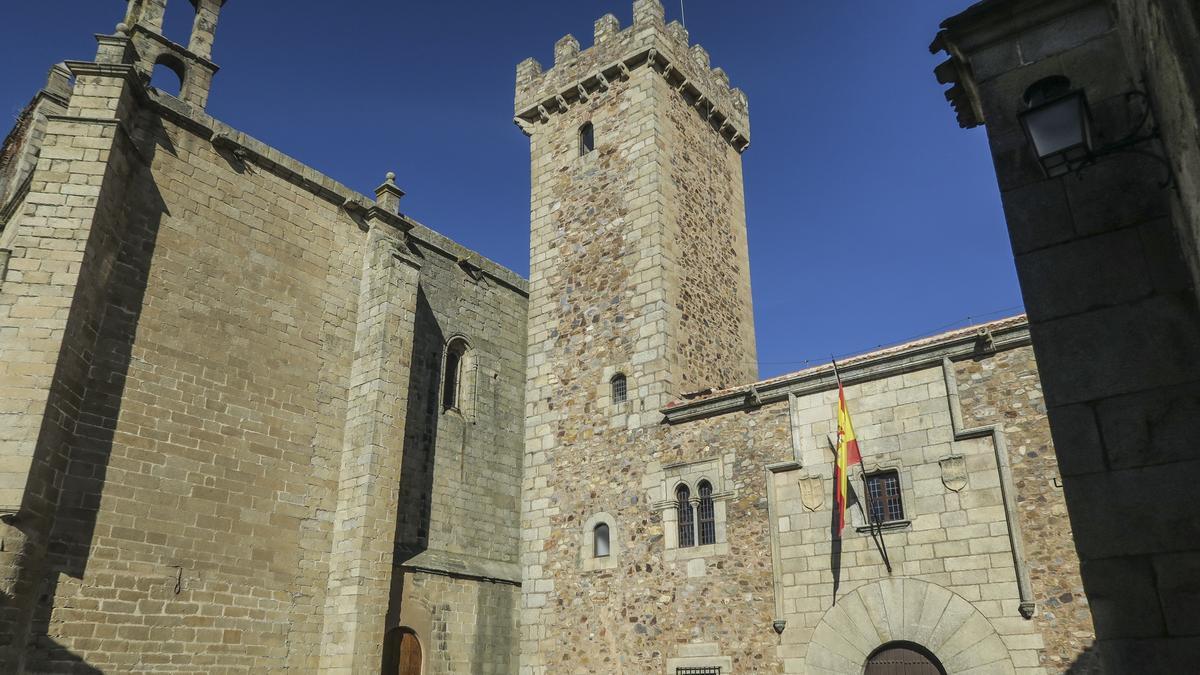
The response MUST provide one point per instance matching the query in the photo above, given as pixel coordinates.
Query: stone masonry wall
(465, 626)
(194, 526)
(954, 538)
(658, 606)
(1005, 391)
(713, 314)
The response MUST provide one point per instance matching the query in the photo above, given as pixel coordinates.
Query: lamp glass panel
(1056, 126)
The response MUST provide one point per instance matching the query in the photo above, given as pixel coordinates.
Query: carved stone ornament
(954, 472)
(812, 492)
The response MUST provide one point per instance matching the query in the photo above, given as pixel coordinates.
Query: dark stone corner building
(254, 421)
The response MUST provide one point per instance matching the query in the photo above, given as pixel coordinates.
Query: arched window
(620, 388)
(687, 532)
(600, 541)
(452, 375)
(587, 139)
(168, 76)
(707, 518)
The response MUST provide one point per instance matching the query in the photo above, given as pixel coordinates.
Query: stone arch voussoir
(907, 610)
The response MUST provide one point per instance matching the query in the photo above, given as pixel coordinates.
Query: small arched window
(452, 376)
(600, 546)
(587, 139)
(687, 532)
(707, 519)
(620, 388)
(168, 76)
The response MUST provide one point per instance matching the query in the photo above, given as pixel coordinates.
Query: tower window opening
(178, 23)
(168, 75)
(452, 374)
(620, 388)
(706, 515)
(600, 547)
(587, 139)
(687, 532)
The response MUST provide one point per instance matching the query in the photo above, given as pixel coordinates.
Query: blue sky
(873, 218)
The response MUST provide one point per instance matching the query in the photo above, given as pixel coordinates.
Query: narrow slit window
(600, 548)
(706, 515)
(452, 382)
(620, 388)
(687, 531)
(883, 497)
(587, 139)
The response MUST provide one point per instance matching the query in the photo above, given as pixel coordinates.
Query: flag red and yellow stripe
(847, 456)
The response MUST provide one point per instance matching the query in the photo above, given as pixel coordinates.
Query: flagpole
(879, 542)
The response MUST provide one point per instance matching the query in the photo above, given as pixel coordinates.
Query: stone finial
(700, 56)
(122, 29)
(388, 195)
(565, 49)
(678, 33)
(605, 28)
(648, 11)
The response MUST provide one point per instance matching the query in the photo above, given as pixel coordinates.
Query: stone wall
(1160, 41)
(232, 448)
(466, 626)
(658, 605)
(1112, 303)
(1005, 391)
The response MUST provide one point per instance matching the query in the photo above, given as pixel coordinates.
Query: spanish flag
(847, 456)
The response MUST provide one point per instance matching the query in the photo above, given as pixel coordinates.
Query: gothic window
(600, 541)
(687, 533)
(620, 388)
(587, 139)
(452, 374)
(883, 497)
(706, 515)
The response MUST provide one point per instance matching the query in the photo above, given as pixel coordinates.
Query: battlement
(650, 41)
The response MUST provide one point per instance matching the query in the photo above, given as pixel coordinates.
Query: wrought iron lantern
(1058, 124)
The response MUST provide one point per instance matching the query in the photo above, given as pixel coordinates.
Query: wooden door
(903, 659)
(410, 654)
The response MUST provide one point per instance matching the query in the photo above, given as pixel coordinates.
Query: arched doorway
(903, 658)
(401, 652)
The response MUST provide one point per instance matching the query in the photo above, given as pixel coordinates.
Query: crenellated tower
(639, 271)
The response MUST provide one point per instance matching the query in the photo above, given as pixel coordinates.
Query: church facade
(254, 420)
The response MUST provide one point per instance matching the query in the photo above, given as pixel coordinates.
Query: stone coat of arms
(812, 492)
(954, 472)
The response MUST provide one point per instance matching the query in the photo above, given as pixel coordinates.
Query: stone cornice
(956, 346)
(174, 47)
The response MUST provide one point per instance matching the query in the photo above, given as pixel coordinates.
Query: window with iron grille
(620, 388)
(706, 515)
(687, 533)
(883, 497)
(702, 670)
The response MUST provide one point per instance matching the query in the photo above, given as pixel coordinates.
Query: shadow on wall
(420, 433)
(1087, 663)
(133, 232)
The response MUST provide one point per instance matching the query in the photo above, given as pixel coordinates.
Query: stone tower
(639, 273)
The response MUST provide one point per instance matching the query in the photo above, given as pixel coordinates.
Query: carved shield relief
(954, 472)
(812, 492)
